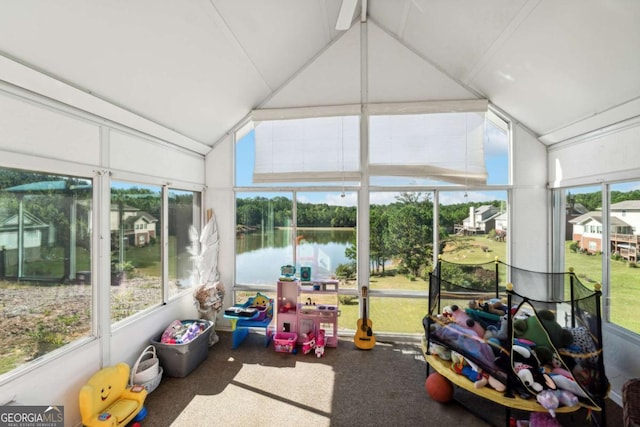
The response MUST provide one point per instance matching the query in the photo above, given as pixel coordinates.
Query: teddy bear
(543, 330)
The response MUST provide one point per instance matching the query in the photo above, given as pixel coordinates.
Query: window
(445, 147)
(427, 150)
(136, 263)
(307, 150)
(184, 211)
(474, 226)
(401, 239)
(45, 263)
(584, 251)
(400, 252)
(326, 234)
(268, 238)
(264, 236)
(624, 274)
(583, 207)
(296, 204)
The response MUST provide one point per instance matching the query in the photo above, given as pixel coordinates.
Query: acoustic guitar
(364, 338)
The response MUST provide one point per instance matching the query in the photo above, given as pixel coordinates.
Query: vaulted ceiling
(189, 71)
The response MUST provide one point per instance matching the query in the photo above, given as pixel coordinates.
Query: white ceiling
(198, 67)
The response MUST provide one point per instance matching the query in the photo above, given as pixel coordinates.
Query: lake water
(259, 256)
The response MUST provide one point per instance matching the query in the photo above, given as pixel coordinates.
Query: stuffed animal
(542, 330)
(494, 306)
(484, 379)
(464, 340)
(463, 319)
(500, 333)
(568, 384)
(472, 371)
(549, 401)
(557, 367)
(582, 347)
(447, 315)
(566, 398)
(527, 367)
(525, 373)
(560, 337)
(439, 350)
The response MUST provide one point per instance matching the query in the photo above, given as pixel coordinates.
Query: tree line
(593, 201)
(402, 229)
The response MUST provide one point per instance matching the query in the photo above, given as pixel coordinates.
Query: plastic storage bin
(285, 342)
(178, 360)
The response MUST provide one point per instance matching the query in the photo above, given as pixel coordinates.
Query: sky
(496, 161)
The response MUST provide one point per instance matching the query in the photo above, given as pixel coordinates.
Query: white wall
(53, 138)
(609, 154)
(529, 208)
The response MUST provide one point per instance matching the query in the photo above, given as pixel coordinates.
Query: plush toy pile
(541, 364)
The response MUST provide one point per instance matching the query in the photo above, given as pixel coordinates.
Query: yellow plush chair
(106, 392)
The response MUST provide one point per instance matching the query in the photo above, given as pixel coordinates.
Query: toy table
(240, 326)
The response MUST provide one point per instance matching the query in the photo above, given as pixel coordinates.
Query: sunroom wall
(38, 134)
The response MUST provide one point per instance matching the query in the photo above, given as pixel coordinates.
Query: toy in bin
(285, 342)
(182, 332)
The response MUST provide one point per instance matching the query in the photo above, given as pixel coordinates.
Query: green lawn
(405, 315)
(471, 250)
(625, 285)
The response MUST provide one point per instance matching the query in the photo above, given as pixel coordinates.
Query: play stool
(240, 323)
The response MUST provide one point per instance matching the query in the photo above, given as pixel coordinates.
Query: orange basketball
(439, 388)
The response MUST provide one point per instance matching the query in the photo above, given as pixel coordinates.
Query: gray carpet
(253, 385)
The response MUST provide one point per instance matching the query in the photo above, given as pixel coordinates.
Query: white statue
(209, 292)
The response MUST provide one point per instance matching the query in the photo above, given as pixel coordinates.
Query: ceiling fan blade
(345, 17)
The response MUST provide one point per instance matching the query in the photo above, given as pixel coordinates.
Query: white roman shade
(307, 149)
(446, 147)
